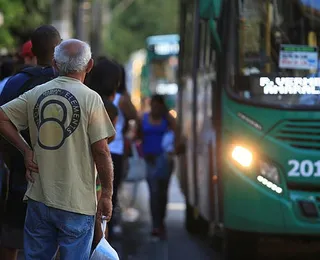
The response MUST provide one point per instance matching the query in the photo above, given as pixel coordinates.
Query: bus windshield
(278, 57)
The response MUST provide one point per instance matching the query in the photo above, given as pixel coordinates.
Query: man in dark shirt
(44, 39)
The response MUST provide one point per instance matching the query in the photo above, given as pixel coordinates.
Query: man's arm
(127, 108)
(8, 90)
(10, 132)
(179, 146)
(100, 129)
(172, 122)
(102, 158)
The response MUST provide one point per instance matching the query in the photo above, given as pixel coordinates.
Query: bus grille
(303, 134)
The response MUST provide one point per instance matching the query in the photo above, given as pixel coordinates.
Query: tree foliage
(143, 18)
(126, 32)
(20, 17)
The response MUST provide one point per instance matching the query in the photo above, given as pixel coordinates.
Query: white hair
(72, 56)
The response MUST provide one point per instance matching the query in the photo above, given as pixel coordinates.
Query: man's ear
(90, 65)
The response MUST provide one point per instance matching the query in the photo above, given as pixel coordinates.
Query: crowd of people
(63, 122)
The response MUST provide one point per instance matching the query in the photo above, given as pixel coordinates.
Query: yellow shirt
(64, 118)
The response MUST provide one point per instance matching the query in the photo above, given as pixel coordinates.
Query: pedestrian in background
(69, 130)
(44, 39)
(104, 79)
(156, 131)
(126, 112)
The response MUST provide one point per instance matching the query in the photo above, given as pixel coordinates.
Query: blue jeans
(48, 228)
(158, 178)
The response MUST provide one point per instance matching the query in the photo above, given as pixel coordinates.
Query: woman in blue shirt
(155, 126)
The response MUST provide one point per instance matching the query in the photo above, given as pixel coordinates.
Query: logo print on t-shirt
(50, 117)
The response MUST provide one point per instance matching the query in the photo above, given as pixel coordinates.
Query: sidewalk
(179, 245)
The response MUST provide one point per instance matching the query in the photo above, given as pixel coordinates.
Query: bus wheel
(190, 220)
(238, 245)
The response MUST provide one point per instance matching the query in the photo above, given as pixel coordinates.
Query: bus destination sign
(166, 48)
(298, 57)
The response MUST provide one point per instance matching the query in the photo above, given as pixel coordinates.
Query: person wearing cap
(27, 55)
(44, 39)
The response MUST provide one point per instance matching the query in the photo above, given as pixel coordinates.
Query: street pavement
(136, 242)
(181, 245)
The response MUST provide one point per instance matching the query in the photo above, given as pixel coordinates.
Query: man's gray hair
(72, 56)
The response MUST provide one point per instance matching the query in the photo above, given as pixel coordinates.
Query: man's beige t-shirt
(64, 118)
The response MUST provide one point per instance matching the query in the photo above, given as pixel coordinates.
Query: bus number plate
(305, 168)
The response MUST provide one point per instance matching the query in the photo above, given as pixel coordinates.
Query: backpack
(37, 76)
(14, 159)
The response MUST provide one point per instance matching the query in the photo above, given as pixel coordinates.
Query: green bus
(249, 118)
(159, 74)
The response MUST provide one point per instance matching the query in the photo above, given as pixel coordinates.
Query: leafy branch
(121, 7)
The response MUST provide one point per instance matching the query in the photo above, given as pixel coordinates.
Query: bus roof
(173, 38)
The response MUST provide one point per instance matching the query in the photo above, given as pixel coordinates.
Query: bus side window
(202, 49)
(209, 55)
(206, 52)
(188, 44)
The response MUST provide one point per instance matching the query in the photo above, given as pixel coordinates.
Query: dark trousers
(158, 187)
(118, 176)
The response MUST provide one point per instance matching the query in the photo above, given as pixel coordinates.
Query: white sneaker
(130, 215)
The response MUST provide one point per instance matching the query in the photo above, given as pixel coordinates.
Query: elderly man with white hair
(69, 129)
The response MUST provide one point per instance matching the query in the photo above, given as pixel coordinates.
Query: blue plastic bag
(137, 166)
(168, 142)
(104, 250)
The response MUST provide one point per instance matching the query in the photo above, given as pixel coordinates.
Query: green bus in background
(249, 116)
(159, 74)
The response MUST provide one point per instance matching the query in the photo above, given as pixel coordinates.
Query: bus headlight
(242, 156)
(270, 172)
(173, 113)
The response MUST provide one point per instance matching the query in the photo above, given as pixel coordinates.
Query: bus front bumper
(252, 207)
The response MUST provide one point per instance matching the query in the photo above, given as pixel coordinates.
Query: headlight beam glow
(242, 155)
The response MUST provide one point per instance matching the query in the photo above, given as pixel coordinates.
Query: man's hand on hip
(30, 165)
